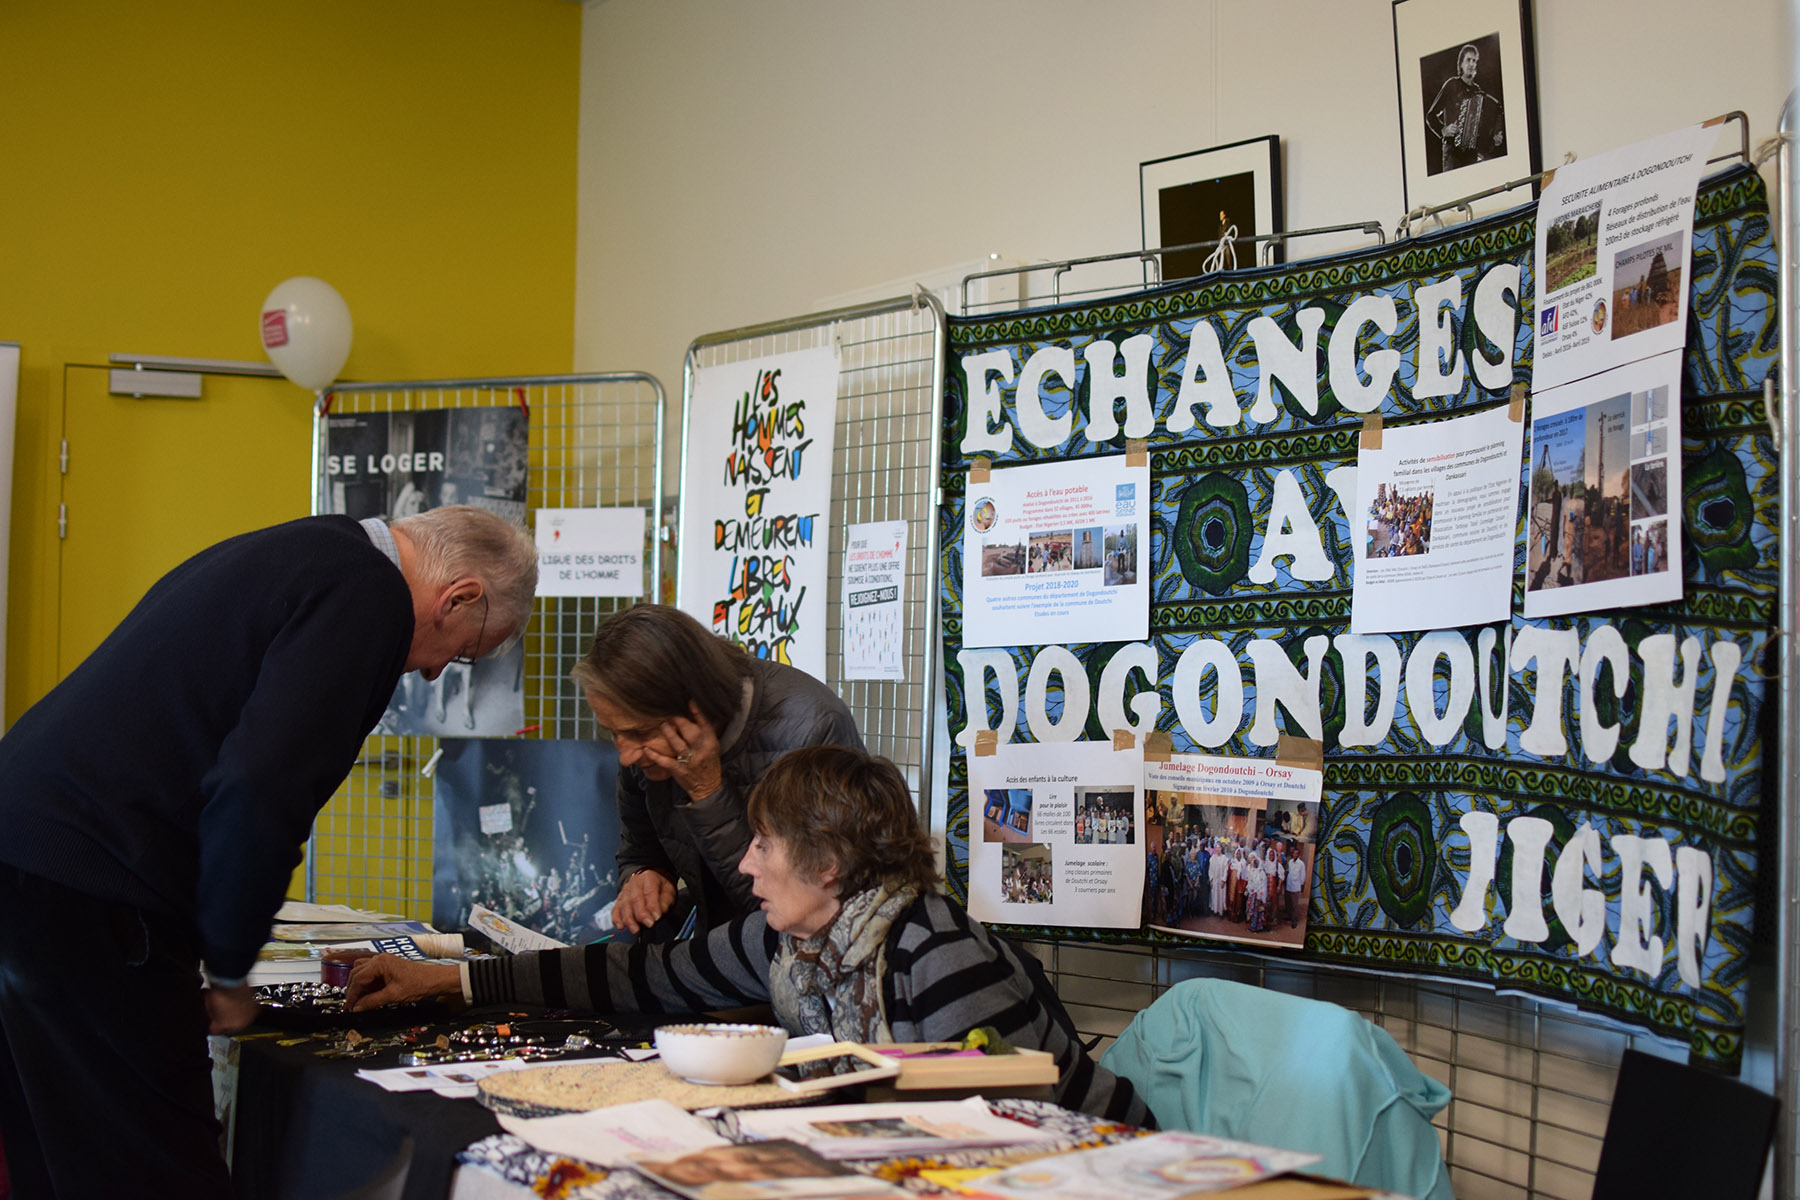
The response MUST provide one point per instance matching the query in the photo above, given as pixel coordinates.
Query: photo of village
(1002, 558)
(1646, 285)
(1579, 530)
(1231, 867)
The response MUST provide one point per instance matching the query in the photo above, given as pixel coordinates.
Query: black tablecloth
(307, 1128)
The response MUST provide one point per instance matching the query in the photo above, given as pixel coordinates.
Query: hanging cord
(1224, 255)
(1768, 148)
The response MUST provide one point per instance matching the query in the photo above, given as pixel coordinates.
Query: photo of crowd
(1104, 817)
(530, 830)
(1026, 874)
(1217, 866)
(1006, 815)
(1398, 525)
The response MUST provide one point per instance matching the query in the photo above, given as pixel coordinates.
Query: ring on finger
(682, 759)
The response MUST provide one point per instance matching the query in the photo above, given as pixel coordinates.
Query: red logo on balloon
(274, 328)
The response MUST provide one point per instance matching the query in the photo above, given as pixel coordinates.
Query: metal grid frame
(594, 440)
(1531, 1081)
(885, 456)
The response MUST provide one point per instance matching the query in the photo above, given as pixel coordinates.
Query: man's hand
(692, 758)
(646, 896)
(229, 1010)
(389, 979)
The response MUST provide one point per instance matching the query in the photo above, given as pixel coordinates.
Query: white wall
(742, 159)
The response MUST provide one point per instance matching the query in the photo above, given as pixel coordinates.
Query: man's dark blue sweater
(179, 768)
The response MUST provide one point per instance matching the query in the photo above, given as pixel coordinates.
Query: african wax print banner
(1566, 806)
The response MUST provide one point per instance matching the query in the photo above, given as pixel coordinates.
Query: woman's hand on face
(389, 979)
(693, 753)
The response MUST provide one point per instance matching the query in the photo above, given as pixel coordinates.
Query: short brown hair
(837, 806)
(654, 660)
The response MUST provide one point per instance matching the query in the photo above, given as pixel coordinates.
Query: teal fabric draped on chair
(1223, 1058)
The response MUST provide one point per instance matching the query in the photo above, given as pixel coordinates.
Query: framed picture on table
(1206, 196)
(1467, 75)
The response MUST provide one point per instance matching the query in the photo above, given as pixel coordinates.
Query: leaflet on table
(1439, 506)
(458, 1081)
(778, 1170)
(1050, 554)
(1056, 839)
(1230, 847)
(1605, 469)
(874, 593)
(340, 932)
(590, 551)
(1160, 1167)
(614, 1136)
(1615, 240)
(321, 914)
(509, 934)
(888, 1130)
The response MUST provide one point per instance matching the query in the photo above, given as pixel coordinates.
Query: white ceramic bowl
(723, 1054)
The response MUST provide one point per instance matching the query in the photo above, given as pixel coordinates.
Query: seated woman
(853, 939)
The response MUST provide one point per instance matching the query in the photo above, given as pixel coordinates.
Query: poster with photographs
(1229, 848)
(528, 830)
(1440, 510)
(1061, 835)
(1226, 196)
(399, 464)
(1468, 96)
(1603, 529)
(1050, 554)
(1615, 237)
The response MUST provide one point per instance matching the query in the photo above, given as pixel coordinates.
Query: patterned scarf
(831, 982)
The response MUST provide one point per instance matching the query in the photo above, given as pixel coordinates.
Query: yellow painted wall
(162, 166)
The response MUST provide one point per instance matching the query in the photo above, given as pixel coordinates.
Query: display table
(306, 1127)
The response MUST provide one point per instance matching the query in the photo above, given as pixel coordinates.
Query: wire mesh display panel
(1531, 1082)
(884, 467)
(595, 441)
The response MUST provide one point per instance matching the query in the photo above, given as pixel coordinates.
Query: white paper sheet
(874, 598)
(509, 934)
(1615, 243)
(1055, 835)
(1051, 552)
(1160, 1167)
(590, 551)
(756, 499)
(1438, 510)
(613, 1136)
(1604, 522)
(886, 1130)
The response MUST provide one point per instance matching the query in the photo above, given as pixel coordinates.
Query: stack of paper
(888, 1130)
(1163, 1166)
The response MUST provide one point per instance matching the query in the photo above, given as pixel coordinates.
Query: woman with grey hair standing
(696, 722)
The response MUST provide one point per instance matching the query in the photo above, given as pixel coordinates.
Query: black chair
(1677, 1130)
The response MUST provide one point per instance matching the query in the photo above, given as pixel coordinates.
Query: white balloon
(306, 331)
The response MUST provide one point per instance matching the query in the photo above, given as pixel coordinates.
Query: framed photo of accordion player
(1468, 98)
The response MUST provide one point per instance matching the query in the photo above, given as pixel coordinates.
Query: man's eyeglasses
(468, 660)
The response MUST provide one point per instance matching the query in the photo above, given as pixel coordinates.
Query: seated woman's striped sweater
(945, 976)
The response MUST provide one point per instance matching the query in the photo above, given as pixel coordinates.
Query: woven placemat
(581, 1087)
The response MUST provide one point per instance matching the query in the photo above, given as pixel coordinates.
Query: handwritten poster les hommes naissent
(757, 489)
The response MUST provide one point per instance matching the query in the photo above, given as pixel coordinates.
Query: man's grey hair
(459, 541)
